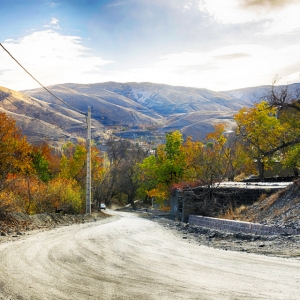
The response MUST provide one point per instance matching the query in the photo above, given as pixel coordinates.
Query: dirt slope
(14, 225)
(281, 209)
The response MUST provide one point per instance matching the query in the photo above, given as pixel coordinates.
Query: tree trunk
(29, 195)
(261, 170)
(296, 172)
(131, 201)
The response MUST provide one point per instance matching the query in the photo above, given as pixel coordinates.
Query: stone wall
(238, 226)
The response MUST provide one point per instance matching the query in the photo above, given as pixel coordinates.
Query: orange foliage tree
(14, 157)
(14, 150)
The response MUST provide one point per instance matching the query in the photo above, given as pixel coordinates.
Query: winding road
(128, 257)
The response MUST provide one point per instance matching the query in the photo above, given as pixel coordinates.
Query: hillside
(56, 122)
(157, 106)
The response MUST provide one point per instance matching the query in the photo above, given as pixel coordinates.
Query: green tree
(167, 167)
(41, 166)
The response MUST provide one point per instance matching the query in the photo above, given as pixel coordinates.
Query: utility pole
(88, 163)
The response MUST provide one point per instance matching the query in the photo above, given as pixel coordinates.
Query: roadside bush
(66, 195)
(32, 196)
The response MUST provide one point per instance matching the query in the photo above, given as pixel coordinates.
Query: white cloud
(54, 58)
(54, 21)
(224, 68)
(53, 24)
(277, 19)
(51, 58)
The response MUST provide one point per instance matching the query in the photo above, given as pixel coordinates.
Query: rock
(3, 233)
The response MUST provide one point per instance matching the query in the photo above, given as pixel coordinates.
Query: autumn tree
(73, 162)
(190, 150)
(287, 104)
(107, 187)
(129, 180)
(291, 158)
(167, 167)
(261, 133)
(14, 151)
(121, 176)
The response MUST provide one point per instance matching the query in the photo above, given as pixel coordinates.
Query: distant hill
(250, 95)
(158, 106)
(133, 109)
(57, 123)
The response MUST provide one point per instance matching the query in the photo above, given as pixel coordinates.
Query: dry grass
(165, 208)
(269, 202)
(262, 197)
(232, 214)
(229, 214)
(242, 209)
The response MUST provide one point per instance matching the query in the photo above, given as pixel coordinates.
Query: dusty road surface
(127, 257)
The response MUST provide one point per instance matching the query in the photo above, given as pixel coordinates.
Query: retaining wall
(238, 226)
(187, 202)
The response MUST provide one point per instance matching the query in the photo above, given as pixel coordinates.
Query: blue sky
(214, 44)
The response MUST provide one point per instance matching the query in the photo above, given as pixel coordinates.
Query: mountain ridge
(136, 109)
(153, 105)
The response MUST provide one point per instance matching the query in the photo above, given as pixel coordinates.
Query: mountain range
(126, 109)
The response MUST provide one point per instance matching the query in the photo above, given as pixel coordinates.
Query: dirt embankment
(281, 209)
(15, 225)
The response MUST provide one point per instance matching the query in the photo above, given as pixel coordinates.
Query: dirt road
(126, 257)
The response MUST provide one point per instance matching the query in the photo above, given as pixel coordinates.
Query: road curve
(127, 257)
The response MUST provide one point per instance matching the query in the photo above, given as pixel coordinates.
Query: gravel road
(127, 257)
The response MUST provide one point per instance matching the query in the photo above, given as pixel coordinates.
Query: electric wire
(31, 116)
(77, 110)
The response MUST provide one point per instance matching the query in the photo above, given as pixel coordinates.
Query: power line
(79, 111)
(31, 116)
(88, 120)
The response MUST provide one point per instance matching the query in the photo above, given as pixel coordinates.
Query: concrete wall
(238, 226)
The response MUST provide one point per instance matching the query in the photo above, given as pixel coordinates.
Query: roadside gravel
(277, 245)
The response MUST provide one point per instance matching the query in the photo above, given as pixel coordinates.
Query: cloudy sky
(214, 44)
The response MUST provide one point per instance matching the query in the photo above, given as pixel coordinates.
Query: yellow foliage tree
(261, 132)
